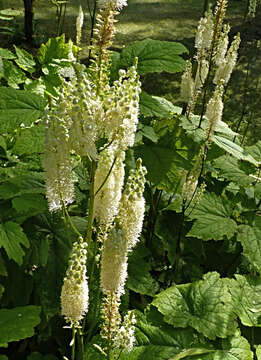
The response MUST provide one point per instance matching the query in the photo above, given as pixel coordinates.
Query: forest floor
(172, 20)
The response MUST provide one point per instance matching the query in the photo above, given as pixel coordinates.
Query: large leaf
(213, 219)
(156, 106)
(154, 56)
(162, 163)
(234, 149)
(234, 348)
(12, 238)
(18, 323)
(24, 60)
(230, 169)
(30, 140)
(17, 107)
(161, 341)
(205, 305)
(246, 294)
(32, 183)
(250, 238)
(12, 74)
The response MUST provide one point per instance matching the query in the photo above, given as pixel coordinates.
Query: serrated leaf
(30, 202)
(30, 140)
(205, 305)
(234, 348)
(250, 238)
(213, 219)
(11, 239)
(162, 341)
(156, 106)
(55, 48)
(18, 106)
(230, 169)
(234, 149)
(246, 294)
(18, 323)
(32, 183)
(154, 56)
(12, 74)
(24, 60)
(6, 54)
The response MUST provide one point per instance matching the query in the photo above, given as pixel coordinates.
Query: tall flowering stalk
(95, 120)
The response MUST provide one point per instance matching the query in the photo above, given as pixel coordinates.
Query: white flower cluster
(76, 120)
(204, 34)
(74, 295)
(109, 178)
(226, 66)
(118, 4)
(114, 262)
(187, 83)
(124, 234)
(214, 111)
(124, 338)
(57, 159)
(132, 206)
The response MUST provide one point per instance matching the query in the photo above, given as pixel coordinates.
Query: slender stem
(109, 327)
(91, 205)
(80, 351)
(70, 220)
(73, 343)
(106, 177)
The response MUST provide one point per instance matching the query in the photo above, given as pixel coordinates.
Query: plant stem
(91, 205)
(73, 343)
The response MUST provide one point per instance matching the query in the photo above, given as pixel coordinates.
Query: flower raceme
(74, 295)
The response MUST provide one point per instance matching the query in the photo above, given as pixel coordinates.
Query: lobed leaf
(154, 56)
(11, 239)
(205, 305)
(18, 323)
(213, 219)
(250, 238)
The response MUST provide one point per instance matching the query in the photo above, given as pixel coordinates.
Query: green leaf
(11, 239)
(154, 56)
(148, 132)
(161, 341)
(234, 149)
(161, 162)
(246, 294)
(258, 352)
(250, 238)
(55, 48)
(139, 277)
(3, 357)
(213, 219)
(3, 143)
(30, 140)
(6, 54)
(12, 74)
(24, 60)
(234, 348)
(18, 323)
(36, 203)
(156, 106)
(17, 107)
(32, 183)
(255, 150)
(230, 169)
(205, 305)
